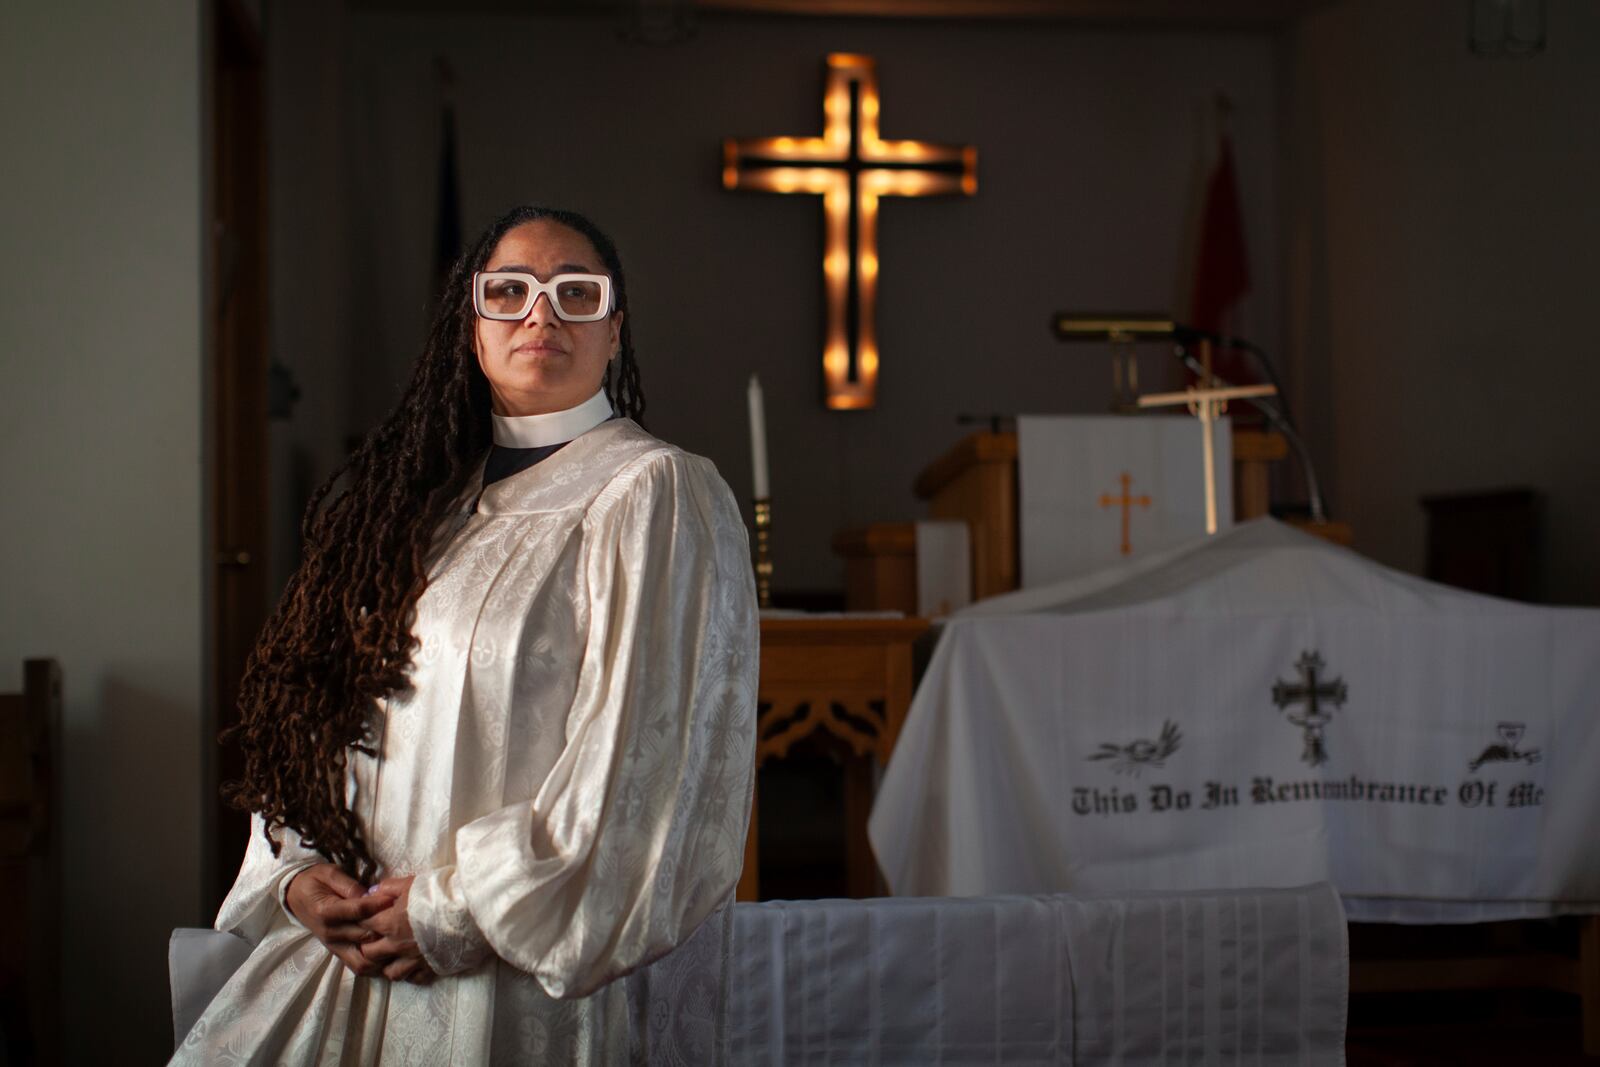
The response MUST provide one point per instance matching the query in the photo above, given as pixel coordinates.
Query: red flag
(1222, 269)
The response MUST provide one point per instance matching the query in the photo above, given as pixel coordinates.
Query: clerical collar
(554, 428)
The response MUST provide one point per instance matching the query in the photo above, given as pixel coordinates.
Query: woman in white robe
(559, 794)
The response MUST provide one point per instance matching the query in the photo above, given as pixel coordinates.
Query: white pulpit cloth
(1151, 726)
(1146, 979)
(1074, 472)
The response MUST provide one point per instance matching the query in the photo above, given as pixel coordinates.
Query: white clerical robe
(569, 779)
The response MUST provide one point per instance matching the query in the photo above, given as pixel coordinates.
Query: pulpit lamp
(1120, 327)
(1122, 330)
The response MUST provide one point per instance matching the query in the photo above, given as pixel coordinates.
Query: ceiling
(1260, 12)
(1153, 13)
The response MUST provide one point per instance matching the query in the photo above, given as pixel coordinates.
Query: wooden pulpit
(976, 482)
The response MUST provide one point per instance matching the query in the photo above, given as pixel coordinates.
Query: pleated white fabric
(1147, 979)
(1250, 977)
(569, 780)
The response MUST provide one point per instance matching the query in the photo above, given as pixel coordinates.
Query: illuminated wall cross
(1127, 500)
(850, 167)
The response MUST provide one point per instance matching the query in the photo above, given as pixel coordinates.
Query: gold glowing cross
(1208, 403)
(1127, 500)
(850, 167)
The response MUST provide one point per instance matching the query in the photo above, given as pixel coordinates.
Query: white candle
(758, 438)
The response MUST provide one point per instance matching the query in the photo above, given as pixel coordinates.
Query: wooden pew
(30, 867)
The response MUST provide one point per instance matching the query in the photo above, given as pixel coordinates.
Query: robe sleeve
(255, 903)
(637, 834)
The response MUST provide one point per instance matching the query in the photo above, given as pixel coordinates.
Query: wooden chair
(30, 866)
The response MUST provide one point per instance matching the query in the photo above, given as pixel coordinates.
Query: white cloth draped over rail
(569, 778)
(1153, 725)
(1147, 979)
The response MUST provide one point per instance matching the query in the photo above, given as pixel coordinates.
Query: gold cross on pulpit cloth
(1127, 500)
(850, 167)
(1208, 403)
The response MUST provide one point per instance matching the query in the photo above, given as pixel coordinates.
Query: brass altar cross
(1207, 402)
(850, 167)
(1127, 500)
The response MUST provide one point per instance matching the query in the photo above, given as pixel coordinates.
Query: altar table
(1256, 708)
(846, 675)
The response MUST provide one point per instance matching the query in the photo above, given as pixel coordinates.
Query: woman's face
(542, 363)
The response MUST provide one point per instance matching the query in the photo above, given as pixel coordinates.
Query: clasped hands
(368, 931)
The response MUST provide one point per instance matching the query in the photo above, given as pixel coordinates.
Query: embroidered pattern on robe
(569, 778)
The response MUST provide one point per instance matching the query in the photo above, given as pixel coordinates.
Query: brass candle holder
(763, 551)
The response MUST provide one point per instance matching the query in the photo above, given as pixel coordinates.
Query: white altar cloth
(1219, 977)
(1152, 726)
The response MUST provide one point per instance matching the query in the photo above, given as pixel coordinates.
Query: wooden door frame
(235, 216)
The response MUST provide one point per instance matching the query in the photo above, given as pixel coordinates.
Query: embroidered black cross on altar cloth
(850, 167)
(1313, 690)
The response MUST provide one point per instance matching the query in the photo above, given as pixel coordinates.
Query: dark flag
(1222, 267)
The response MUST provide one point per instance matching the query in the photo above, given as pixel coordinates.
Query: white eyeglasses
(505, 295)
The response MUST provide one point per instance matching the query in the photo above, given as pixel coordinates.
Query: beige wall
(1444, 247)
(100, 471)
